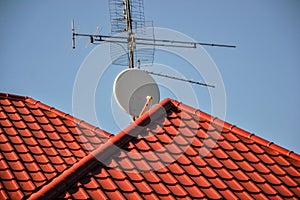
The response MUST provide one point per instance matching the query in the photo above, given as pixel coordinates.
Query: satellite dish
(132, 88)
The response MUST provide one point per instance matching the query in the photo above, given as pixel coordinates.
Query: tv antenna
(129, 30)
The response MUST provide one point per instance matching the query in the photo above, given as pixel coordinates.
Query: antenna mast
(131, 39)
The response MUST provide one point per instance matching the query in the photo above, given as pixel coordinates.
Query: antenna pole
(73, 34)
(131, 39)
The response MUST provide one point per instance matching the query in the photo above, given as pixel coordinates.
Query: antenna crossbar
(147, 41)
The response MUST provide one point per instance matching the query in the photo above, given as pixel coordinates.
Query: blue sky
(261, 76)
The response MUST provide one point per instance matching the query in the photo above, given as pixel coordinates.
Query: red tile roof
(185, 153)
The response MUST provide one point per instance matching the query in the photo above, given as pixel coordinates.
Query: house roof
(172, 151)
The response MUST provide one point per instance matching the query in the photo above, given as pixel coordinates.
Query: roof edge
(12, 96)
(222, 125)
(56, 111)
(68, 117)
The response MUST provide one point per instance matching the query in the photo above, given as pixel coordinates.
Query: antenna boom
(179, 79)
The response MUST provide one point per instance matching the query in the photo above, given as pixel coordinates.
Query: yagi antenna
(127, 16)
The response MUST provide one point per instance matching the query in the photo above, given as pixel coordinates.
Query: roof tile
(277, 170)
(292, 172)
(288, 181)
(6, 123)
(213, 162)
(16, 140)
(266, 188)
(151, 177)
(266, 159)
(21, 176)
(26, 157)
(227, 194)
(245, 166)
(37, 112)
(191, 170)
(35, 150)
(235, 155)
(20, 124)
(9, 108)
(16, 165)
(177, 190)
(25, 133)
(43, 120)
(6, 174)
(27, 186)
(11, 156)
(234, 185)
(45, 143)
(296, 190)
(185, 180)
(21, 148)
(195, 192)
(211, 193)
(218, 183)
(10, 131)
(167, 178)
(125, 185)
(32, 167)
(262, 169)
(23, 111)
(256, 149)
(10, 185)
(133, 195)
(14, 116)
(4, 140)
(224, 174)
(201, 181)
(143, 187)
(39, 134)
(240, 175)
(283, 190)
(271, 179)
(282, 161)
(208, 172)
(137, 177)
(250, 187)
(229, 164)
(233, 139)
(28, 118)
(160, 188)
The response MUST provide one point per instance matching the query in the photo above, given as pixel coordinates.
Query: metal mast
(131, 39)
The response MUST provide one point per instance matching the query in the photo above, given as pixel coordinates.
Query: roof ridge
(222, 124)
(57, 185)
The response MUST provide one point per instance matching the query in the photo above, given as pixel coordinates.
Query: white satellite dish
(132, 88)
